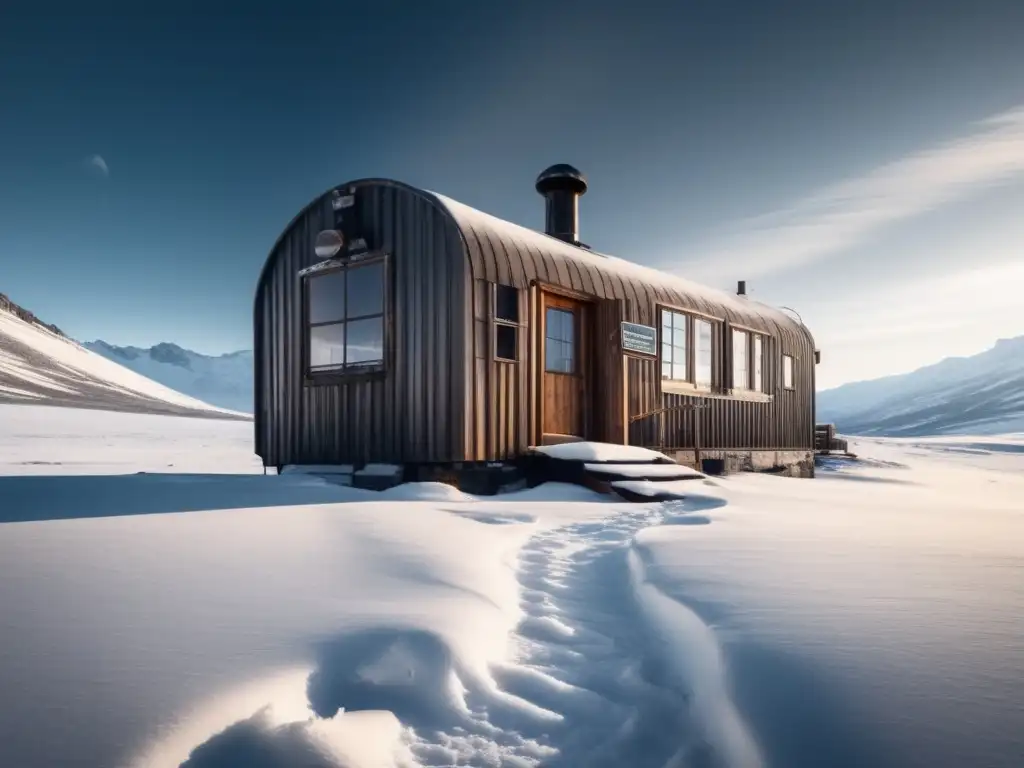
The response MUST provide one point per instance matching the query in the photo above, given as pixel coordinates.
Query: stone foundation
(785, 463)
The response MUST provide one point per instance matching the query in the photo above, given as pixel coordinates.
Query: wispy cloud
(842, 215)
(97, 163)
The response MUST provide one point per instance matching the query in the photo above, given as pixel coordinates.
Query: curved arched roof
(501, 251)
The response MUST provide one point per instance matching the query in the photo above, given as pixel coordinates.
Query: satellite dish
(328, 243)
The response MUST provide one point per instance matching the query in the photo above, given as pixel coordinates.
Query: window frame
(497, 322)
(688, 369)
(792, 372)
(750, 391)
(576, 323)
(710, 383)
(747, 344)
(344, 372)
(689, 384)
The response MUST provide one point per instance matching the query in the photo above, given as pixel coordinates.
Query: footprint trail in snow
(586, 686)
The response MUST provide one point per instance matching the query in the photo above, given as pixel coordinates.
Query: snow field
(868, 617)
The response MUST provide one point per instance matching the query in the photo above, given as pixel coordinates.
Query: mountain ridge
(41, 365)
(224, 380)
(979, 393)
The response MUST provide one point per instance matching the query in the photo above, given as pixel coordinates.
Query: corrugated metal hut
(394, 325)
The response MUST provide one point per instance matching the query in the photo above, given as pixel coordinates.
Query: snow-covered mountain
(980, 394)
(39, 365)
(224, 380)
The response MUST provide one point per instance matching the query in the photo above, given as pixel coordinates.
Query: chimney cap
(561, 176)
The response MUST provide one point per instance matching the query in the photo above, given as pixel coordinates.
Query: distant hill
(39, 365)
(7, 305)
(223, 380)
(981, 394)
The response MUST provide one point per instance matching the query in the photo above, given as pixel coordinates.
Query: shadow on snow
(63, 497)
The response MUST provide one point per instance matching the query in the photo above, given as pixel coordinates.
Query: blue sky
(862, 163)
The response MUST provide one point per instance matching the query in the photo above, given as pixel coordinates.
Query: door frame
(539, 290)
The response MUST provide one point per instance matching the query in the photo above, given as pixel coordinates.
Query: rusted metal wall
(413, 413)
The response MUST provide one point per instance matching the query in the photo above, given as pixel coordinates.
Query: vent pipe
(741, 288)
(562, 185)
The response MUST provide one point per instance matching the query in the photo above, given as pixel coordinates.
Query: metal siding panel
(499, 248)
(522, 265)
(389, 419)
(479, 244)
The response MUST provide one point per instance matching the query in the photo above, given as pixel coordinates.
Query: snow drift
(38, 365)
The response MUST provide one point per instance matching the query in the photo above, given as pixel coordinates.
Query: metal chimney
(741, 288)
(562, 185)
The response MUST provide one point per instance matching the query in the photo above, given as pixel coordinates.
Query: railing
(660, 412)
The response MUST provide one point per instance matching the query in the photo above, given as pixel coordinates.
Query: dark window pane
(366, 290)
(326, 346)
(507, 303)
(559, 343)
(559, 324)
(505, 342)
(552, 357)
(326, 297)
(365, 343)
(558, 357)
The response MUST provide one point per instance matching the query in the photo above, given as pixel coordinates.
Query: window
(756, 370)
(740, 360)
(787, 371)
(687, 349)
(506, 322)
(559, 340)
(747, 361)
(673, 345)
(345, 319)
(702, 353)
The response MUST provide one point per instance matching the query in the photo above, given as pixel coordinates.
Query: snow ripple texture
(608, 671)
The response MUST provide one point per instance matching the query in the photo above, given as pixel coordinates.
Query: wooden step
(630, 472)
(654, 472)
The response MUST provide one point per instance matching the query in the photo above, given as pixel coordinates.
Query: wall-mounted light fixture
(328, 243)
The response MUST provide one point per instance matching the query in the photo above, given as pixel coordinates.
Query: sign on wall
(639, 338)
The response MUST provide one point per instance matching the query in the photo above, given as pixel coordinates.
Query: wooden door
(565, 365)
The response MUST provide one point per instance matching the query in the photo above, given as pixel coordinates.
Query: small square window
(506, 303)
(505, 342)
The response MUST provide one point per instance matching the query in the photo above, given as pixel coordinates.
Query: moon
(97, 164)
